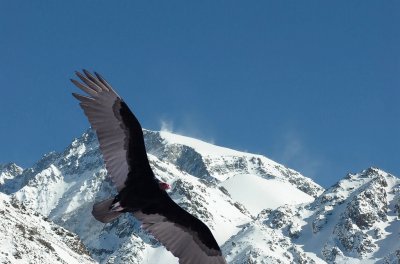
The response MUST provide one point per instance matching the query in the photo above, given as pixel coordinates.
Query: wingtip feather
(102, 80)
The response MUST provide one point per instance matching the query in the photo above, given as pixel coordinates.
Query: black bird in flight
(121, 142)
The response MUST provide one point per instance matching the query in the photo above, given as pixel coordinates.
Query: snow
(256, 243)
(257, 193)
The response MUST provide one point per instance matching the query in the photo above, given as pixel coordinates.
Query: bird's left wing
(119, 132)
(184, 235)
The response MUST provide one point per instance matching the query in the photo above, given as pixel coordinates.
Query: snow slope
(265, 193)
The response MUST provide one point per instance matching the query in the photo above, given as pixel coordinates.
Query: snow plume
(166, 125)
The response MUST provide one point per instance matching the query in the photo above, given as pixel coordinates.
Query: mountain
(259, 210)
(25, 237)
(354, 221)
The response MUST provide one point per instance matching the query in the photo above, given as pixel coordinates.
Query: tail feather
(102, 212)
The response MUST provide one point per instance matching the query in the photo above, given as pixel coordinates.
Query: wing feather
(83, 98)
(84, 88)
(119, 133)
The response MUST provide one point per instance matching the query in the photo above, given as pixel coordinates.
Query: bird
(140, 193)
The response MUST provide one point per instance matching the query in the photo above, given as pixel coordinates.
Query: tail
(102, 212)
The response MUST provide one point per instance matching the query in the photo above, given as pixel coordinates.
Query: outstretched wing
(184, 235)
(118, 130)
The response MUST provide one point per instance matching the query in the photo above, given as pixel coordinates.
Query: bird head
(164, 186)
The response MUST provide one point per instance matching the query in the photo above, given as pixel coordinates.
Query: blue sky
(314, 85)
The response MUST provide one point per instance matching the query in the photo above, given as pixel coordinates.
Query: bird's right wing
(119, 132)
(185, 236)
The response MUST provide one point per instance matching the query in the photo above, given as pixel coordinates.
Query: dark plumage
(139, 191)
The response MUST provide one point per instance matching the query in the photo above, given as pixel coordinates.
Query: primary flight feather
(139, 191)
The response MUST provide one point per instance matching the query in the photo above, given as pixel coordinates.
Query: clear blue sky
(314, 85)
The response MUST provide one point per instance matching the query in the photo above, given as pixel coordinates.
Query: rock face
(25, 237)
(259, 210)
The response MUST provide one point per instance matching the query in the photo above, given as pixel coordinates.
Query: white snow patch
(257, 193)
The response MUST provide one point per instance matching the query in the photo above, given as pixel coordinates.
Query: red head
(164, 186)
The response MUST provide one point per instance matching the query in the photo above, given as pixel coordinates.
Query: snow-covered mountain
(259, 210)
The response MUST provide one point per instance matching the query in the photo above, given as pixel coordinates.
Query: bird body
(121, 142)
